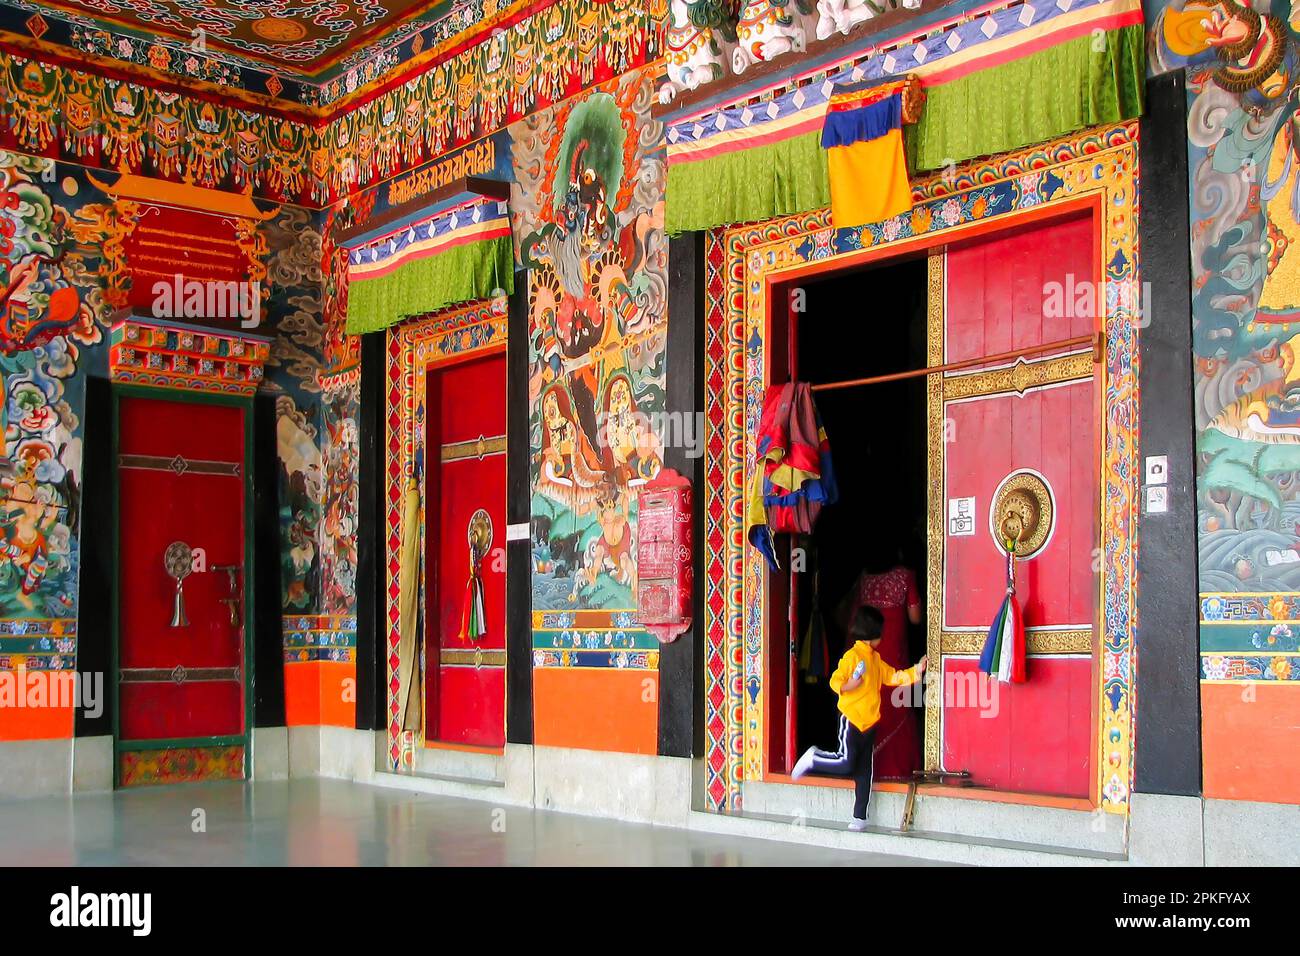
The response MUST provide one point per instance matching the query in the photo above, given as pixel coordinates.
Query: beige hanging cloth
(409, 691)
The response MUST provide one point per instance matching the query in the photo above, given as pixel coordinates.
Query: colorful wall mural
(52, 332)
(45, 327)
(62, 275)
(313, 373)
(587, 210)
(1244, 170)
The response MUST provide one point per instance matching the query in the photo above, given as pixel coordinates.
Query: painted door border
(1099, 163)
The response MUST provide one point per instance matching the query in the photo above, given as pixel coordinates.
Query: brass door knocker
(178, 562)
(1022, 514)
(473, 621)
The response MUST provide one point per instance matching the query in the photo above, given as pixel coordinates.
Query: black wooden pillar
(519, 598)
(372, 638)
(1168, 758)
(681, 663)
(97, 604)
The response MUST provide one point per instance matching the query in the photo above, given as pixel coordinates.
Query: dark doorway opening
(856, 323)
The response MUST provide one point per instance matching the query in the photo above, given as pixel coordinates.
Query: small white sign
(1157, 469)
(961, 517)
(1157, 499)
(519, 531)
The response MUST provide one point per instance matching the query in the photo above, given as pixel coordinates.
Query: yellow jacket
(862, 704)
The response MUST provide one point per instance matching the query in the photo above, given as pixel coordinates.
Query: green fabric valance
(748, 185)
(461, 256)
(765, 160)
(1039, 97)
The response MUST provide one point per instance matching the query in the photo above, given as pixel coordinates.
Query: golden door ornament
(178, 562)
(479, 535)
(1022, 513)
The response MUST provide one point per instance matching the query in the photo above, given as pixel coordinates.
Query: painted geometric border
(414, 346)
(739, 260)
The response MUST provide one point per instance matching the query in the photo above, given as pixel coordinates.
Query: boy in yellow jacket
(858, 679)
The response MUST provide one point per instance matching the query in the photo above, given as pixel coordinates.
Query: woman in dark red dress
(891, 589)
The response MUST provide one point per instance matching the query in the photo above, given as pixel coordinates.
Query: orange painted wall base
(594, 709)
(36, 723)
(320, 692)
(1251, 747)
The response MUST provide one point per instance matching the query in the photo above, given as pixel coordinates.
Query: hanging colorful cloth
(473, 615)
(794, 478)
(863, 138)
(473, 618)
(1003, 656)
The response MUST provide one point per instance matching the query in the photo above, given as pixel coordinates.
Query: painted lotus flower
(1214, 668)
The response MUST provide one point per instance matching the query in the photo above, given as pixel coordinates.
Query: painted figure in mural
(586, 206)
(339, 526)
(553, 553)
(632, 443)
(1243, 73)
(571, 469)
(612, 551)
(300, 495)
(27, 548)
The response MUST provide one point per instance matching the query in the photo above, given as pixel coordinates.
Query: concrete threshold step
(923, 844)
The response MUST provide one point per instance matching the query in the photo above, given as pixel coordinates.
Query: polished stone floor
(336, 823)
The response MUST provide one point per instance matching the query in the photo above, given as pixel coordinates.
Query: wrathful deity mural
(1244, 168)
(588, 222)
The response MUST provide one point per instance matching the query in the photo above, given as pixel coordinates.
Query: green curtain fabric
(1039, 97)
(475, 270)
(1047, 94)
(748, 185)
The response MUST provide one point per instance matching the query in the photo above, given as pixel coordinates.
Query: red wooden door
(465, 483)
(182, 693)
(1014, 291)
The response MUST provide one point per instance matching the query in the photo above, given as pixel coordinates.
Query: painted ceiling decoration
(308, 53)
(63, 113)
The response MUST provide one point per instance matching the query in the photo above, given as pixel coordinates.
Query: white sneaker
(804, 765)
(857, 826)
